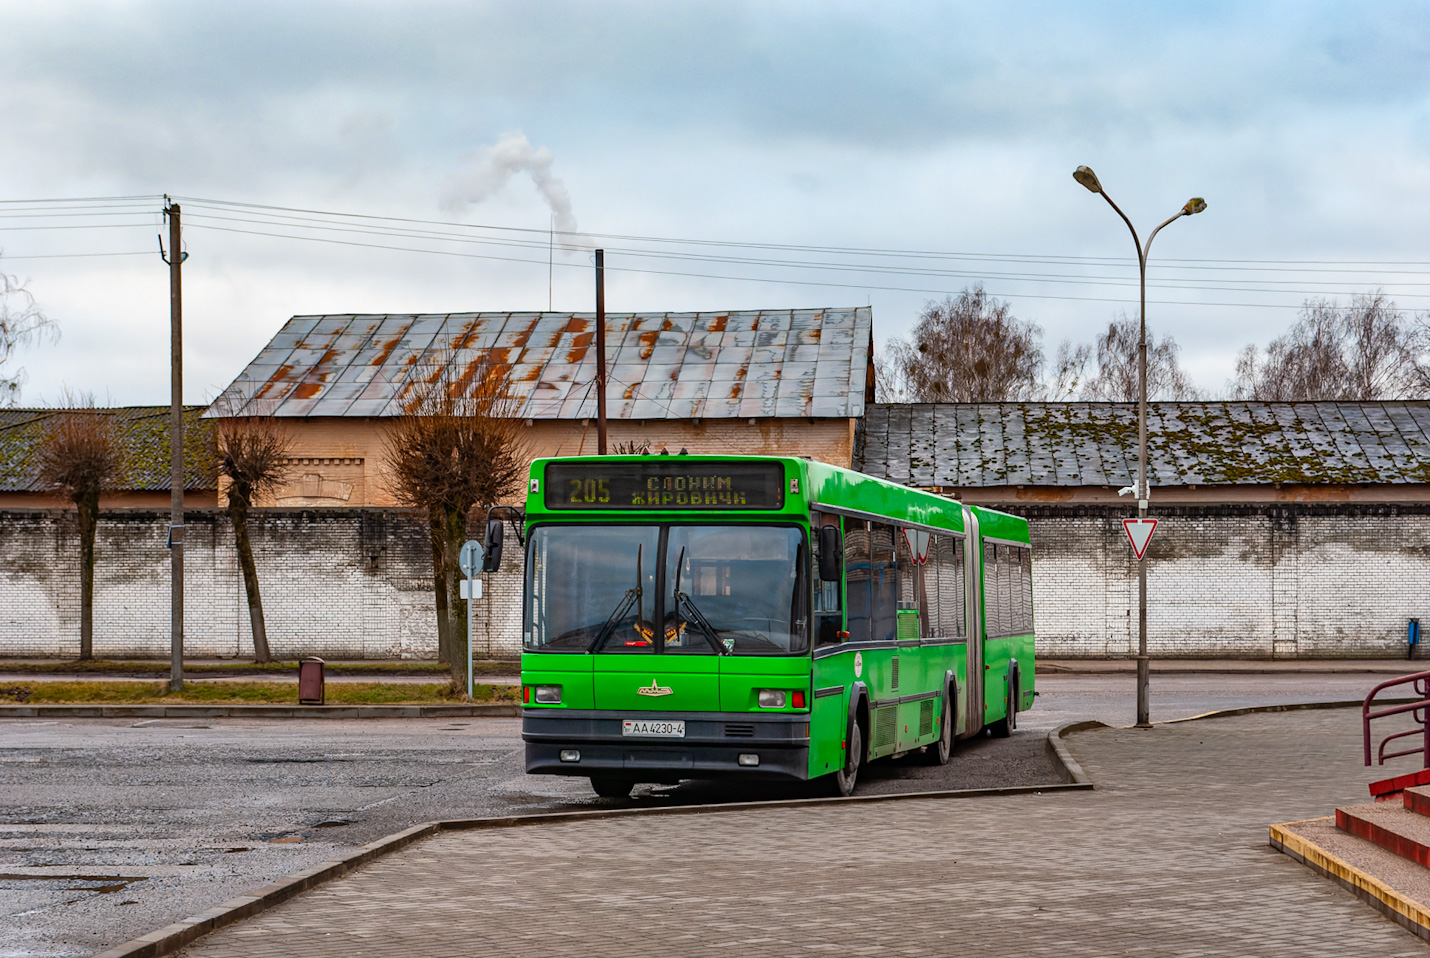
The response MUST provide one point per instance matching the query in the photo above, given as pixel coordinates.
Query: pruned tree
(1118, 363)
(253, 452)
(456, 444)
(966, 348)
(21, 322)
(1366, 351)
(79, 459)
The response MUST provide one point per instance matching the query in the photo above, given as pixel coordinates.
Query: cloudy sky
(816, 153)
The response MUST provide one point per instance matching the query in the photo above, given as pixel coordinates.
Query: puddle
(104, 884)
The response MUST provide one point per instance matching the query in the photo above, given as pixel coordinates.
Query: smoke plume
(492, 167)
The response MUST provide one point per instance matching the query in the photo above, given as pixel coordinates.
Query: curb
(1072, 771)
(260, 711)
(1284, 707)
(171, 938)
(1409, 914)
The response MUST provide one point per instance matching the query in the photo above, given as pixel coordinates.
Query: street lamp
(1196, 204)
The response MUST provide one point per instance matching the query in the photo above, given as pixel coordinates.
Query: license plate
(648, 728)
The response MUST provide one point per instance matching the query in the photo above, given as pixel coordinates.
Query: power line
(77, 255)
(793, 247)
(1170, 283)
(743, 279)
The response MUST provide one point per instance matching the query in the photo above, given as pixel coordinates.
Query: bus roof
(820, 484)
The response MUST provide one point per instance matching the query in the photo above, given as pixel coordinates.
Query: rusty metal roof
(736, 364)
(1188, 443)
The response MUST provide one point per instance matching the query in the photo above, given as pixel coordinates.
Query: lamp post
(1196, 204)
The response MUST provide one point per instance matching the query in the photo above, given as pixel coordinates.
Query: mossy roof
(143, 433)
(1188, 443)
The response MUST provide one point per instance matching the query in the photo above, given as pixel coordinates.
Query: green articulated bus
(702, 617)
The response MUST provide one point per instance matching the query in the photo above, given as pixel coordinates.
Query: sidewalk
(1234, 666)
(10, 678)
(1144, 865)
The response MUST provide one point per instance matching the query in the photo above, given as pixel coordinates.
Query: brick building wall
(1303, 580)
(340, 583)
(340, 462)
(1283, 581)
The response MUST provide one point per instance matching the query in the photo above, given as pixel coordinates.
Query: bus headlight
(548, 695)
(772, 698)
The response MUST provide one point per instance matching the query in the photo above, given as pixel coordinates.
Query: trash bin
(310, 681)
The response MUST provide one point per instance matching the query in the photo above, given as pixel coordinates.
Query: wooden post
(601, 352)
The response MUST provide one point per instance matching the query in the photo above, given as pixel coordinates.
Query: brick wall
(1283, 581)
(1306, 580)
(336, 583)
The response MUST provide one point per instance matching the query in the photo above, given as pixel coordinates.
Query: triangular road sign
(918, 543)
(1139, 533)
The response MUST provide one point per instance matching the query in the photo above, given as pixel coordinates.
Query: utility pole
(600, 352)
(176, 449)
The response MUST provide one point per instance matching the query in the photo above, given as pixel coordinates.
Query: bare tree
(1363, 352)
(253, 453)
(80, 458)
(21, 322)
(1118, 366)
(968, 348)
(456, 445)
(1068, 373)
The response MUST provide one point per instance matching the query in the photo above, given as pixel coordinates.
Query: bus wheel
(938, 753)
(611, 786)
(1004, 727)
(846, 778)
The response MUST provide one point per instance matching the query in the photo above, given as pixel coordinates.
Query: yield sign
(1139, 533)
(918, 543)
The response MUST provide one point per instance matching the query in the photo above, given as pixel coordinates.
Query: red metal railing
(1419, 708)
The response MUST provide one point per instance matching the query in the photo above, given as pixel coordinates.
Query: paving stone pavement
(1168, 857)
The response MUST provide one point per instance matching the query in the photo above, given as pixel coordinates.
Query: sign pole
(470, 619)
(469, 558)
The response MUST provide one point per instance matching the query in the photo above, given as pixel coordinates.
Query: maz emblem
(653, 689)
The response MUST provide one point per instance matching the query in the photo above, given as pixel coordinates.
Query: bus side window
(943, 577)
(856, 575)
(828, 609)
(884, 583)
(913, 590)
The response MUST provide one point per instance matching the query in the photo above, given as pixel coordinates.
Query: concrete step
(1417, 799)
(1389, 789)
(1393, 827)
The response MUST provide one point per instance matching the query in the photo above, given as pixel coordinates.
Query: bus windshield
(726, 590)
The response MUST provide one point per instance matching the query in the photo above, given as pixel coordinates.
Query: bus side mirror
(831, 554)
(491, 560)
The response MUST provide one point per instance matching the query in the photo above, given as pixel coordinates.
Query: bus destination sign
(664, 484)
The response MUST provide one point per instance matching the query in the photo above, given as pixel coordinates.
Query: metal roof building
(142, 434)
(786, 363)
(1192, 445)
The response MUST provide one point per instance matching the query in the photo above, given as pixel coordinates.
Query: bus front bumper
(711, 748)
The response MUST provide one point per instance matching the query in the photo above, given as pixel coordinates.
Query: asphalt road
(112, 828)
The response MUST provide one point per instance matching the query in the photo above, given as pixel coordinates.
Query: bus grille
(925, 716)
(894, 680)
(739, 731)
(884, 722)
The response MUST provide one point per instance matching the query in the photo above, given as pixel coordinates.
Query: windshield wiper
(631, 598)
(694, 613)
